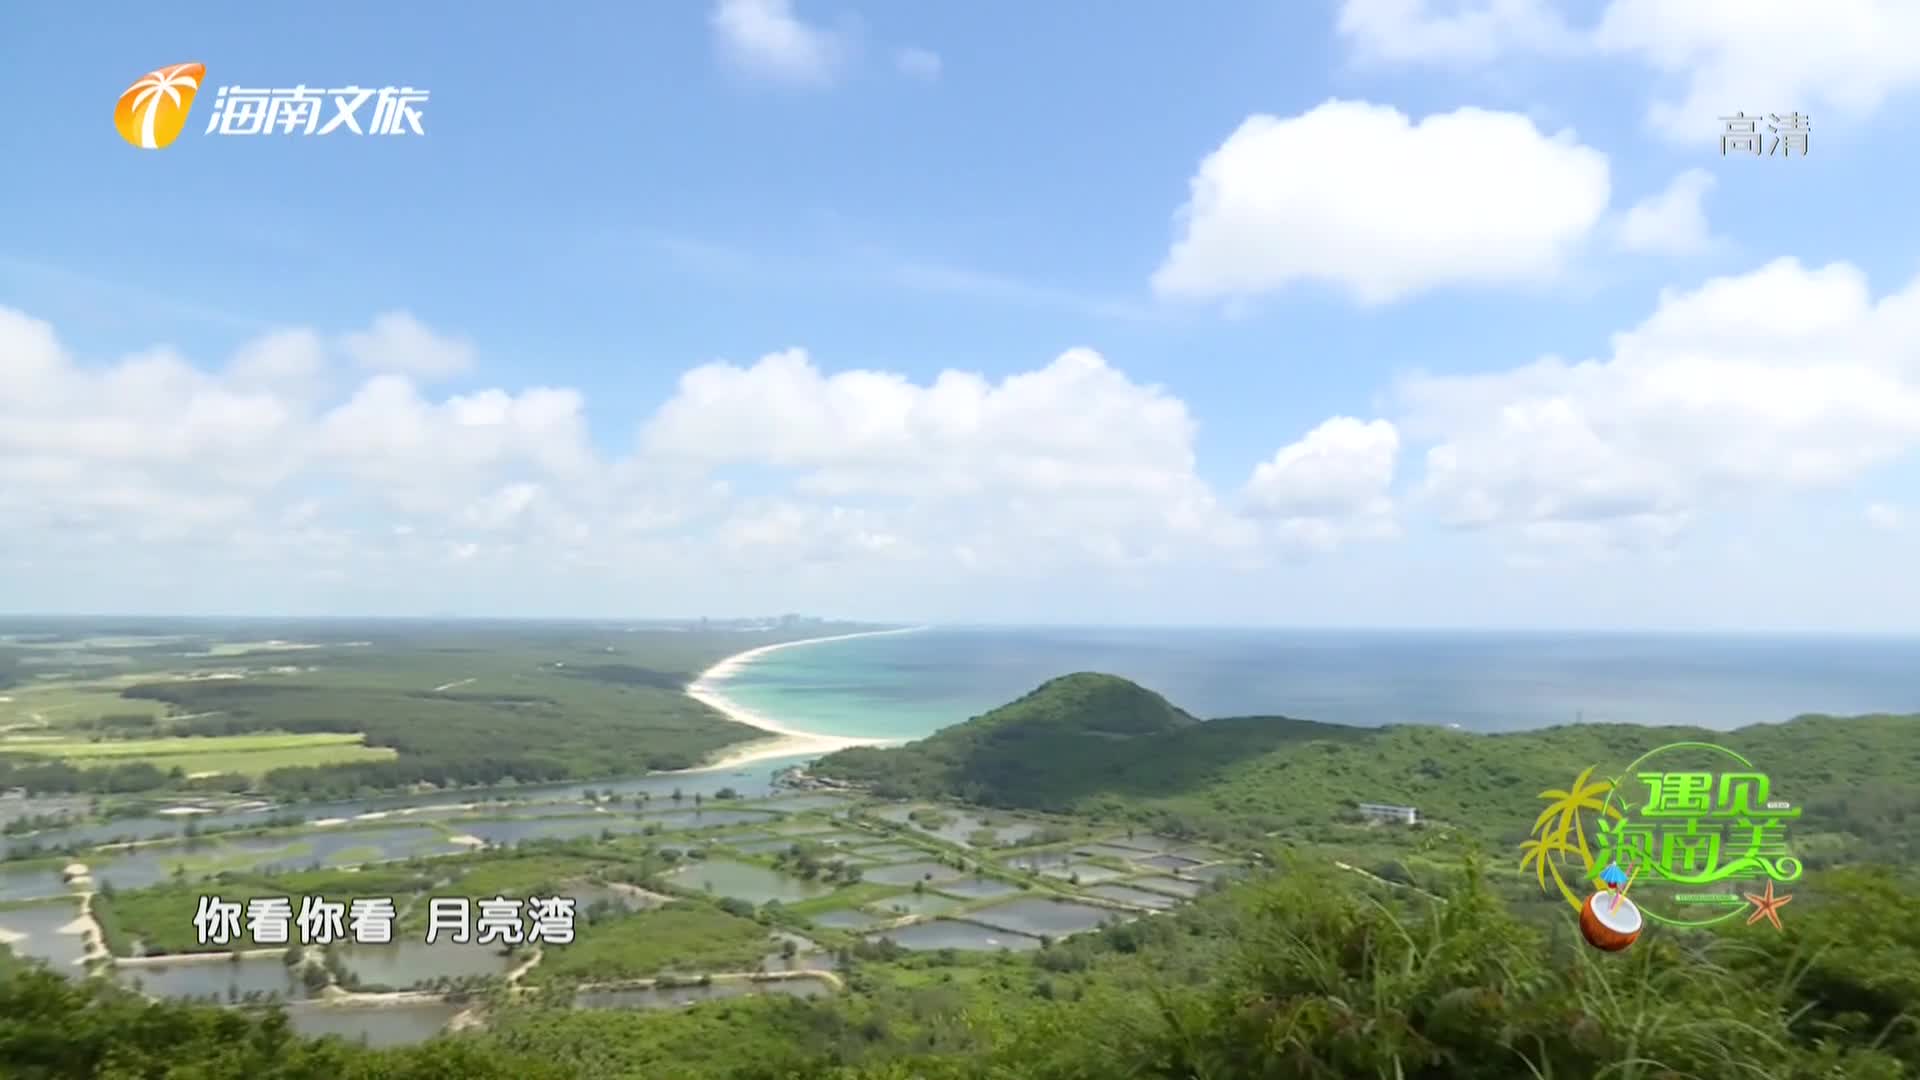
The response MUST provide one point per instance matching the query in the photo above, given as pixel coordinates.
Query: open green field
(252, 756)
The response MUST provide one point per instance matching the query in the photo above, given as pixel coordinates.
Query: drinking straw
(1622, 894)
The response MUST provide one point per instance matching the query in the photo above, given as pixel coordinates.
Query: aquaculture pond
(1174, 886)
(1041, 916)
(520, 830)
(846, 919)
(1112, 851)
(403, 964)
(47, 932)
(1231, 871)
(1126, 894)
(952, 934)
(223, 978)
(908, 873)
(1084, 872)
(762, 847)
(745, 881)
(890, 852)
(978, 888)
(386, 1024)
(753, 783)
(959, 828)
(31, 882)
(707, 819)
(794, 803)
(915, 904)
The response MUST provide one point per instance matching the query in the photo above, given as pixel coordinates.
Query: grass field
(54, 704)
(250, 755)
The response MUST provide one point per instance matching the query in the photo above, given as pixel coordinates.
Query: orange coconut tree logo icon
(152, 112)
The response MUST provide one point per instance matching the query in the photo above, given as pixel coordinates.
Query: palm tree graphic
(165, 83)
(1559, 835)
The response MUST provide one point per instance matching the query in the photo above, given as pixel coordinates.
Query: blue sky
(610, 198)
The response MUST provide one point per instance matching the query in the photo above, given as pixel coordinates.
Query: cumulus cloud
(917, 63)
(1326, 197)
(1672, 221)
(1474, 31)
(1333, 484)
(768, 39)
(398, 342)
(1849, 56)
(1785, 377)
(749, 471)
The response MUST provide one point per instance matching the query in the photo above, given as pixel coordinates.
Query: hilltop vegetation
(1099, 745)
(1308, 974)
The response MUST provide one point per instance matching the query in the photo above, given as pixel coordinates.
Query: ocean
(910, 685)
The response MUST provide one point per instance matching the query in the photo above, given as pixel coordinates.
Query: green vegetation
(683, 937)
(1099, 746)
(250, 756)
(53, 1029)
(160, 918)
(1308, 973)
(336, 710)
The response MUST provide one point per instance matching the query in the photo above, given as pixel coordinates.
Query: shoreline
(782, 741)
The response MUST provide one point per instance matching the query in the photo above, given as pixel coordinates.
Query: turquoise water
(908, 685)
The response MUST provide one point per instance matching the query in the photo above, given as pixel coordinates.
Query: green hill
(1100, 745)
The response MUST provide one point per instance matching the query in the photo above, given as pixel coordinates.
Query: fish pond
(1181, 887)
(1126, 894)
(38, 882)
(953, 934)
(915, 904)
(399, 965)
(979, 888)
(908, 873)
(1041, 916)
(218, 979)
(846, 919)
(38, 931)
(745, 881)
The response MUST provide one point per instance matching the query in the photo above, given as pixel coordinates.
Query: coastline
(782, 741)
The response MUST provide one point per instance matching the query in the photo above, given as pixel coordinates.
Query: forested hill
(1089, 743)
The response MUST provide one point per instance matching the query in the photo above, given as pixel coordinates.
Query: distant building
(1404, 815)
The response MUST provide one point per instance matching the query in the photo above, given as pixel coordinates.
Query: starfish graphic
(1767, 906)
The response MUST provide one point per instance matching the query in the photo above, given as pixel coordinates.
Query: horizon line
(935, 624)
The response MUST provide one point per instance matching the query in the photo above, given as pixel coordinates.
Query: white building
(1404, 815)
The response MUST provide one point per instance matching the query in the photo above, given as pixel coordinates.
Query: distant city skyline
(1369, 314)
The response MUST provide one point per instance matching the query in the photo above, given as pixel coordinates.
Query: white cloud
(1847, 56)
(1475, 32)
(1063, 473)
(1785, 377)
(917, 63)
(1331, 485)
(398, 342)
(1672, 221)
(1325, 197)
(1886, 516)
(767, 39)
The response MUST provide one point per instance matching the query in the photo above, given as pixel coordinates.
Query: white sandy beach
(783, 741)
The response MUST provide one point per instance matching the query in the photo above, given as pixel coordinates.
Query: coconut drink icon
(1610, 921)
